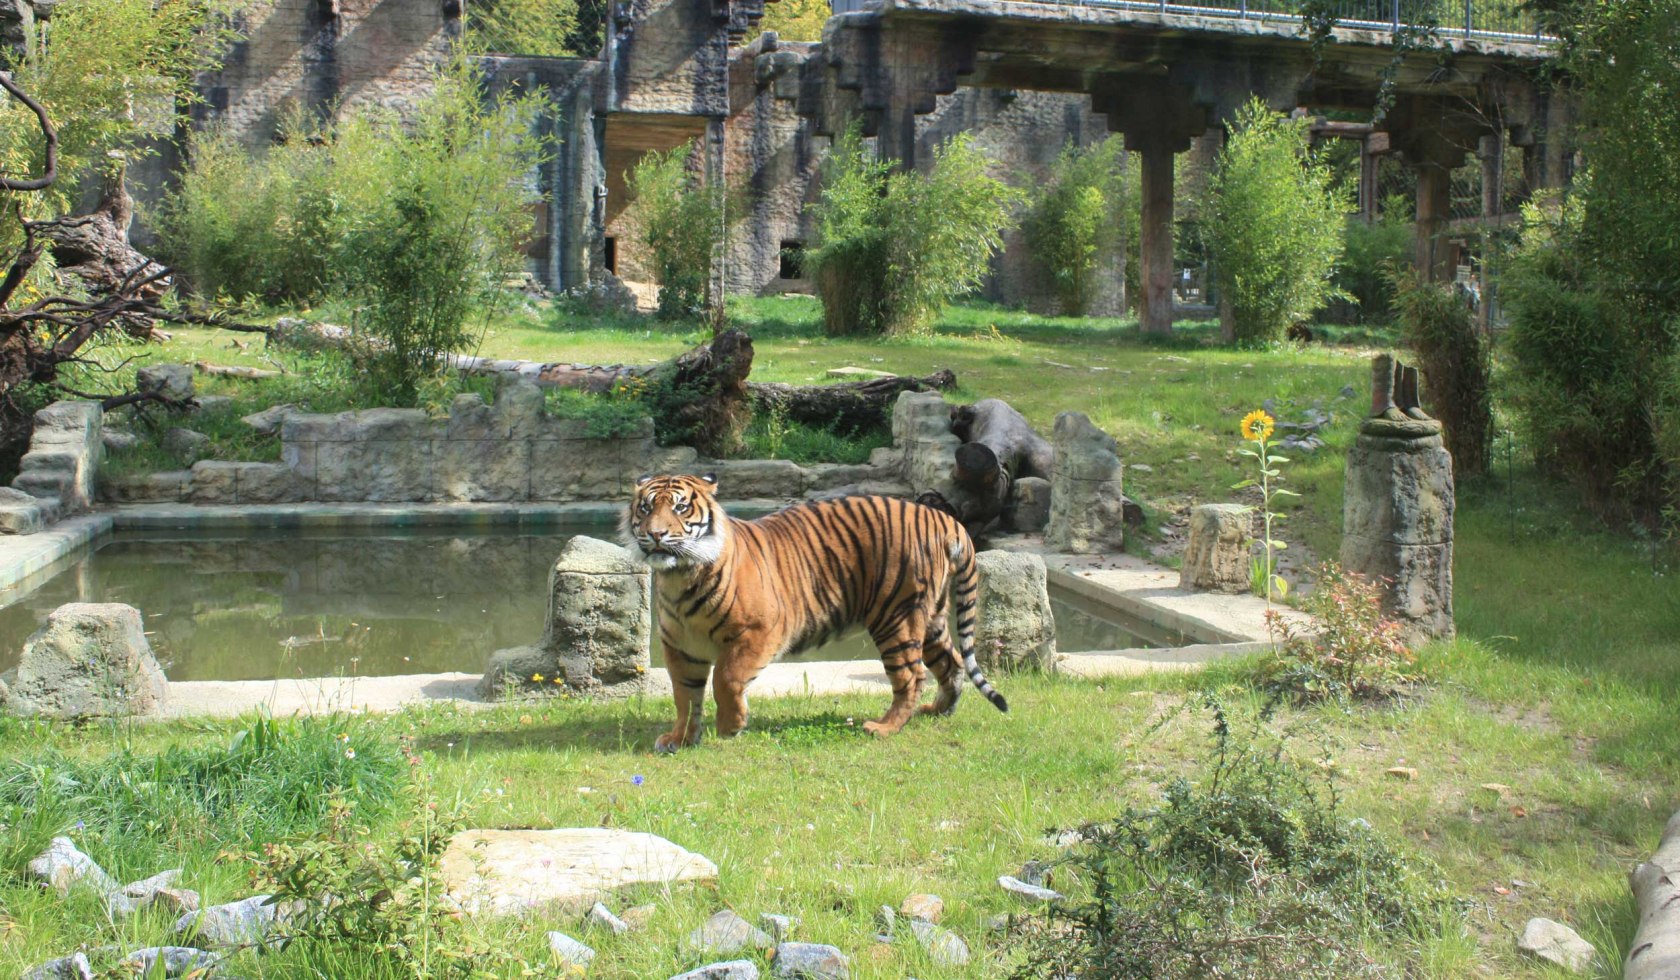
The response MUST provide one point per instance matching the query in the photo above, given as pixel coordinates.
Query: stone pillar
(1155, 249)
(1216, 556)
(599, 630)
(1397, 509)
(1490, 150)
(1434, 187)
(1087, 507)
(1371, 149)
(717, 178)
(1015, 628)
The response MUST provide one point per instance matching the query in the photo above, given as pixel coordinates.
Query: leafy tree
(1592, 292)
(895, 247)
(1076, 222)
(448, 225)
(527, 27)
(1274, 220)
(681, 218)
(796, 20)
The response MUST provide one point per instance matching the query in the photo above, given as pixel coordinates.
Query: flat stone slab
(502, 872)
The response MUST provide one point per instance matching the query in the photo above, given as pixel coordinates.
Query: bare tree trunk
(1655, 952)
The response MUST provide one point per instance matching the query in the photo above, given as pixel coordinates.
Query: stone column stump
(1015, 629)
(1087, 507)
(1397, 508)
(598, 634)
(1216, 556)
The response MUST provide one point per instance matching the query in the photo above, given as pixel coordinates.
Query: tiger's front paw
(670, 742)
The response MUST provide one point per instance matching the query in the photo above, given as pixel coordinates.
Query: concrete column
(1371, 151)
(716, 179)
(1155, 250)
(1491, 151)
(1434, 199)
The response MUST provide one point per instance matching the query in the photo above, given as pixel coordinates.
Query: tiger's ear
(709, 478)
(643, 479)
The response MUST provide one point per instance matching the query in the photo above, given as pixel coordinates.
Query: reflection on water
(278, 604)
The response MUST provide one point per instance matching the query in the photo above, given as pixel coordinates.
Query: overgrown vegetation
(543, 28)
(1593, 298)
(1078, 221)
(681, 216)
(1457, 366)
(415, 219)
(896, 246)
(1250, 869)
(1273, 222)
(1371, 253)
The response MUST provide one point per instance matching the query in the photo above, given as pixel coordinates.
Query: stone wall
(509, 452)
(57, 477)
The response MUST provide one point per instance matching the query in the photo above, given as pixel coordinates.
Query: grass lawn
(1560, 687)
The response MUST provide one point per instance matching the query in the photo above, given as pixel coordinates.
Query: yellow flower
(1257, 426)
(536, 678)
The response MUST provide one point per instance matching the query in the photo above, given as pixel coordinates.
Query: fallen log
(1655, 951)
(234, 371)
(851, 406)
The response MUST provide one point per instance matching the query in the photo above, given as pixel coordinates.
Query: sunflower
(1257, 426)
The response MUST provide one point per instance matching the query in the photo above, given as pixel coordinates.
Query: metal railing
(1493, 20)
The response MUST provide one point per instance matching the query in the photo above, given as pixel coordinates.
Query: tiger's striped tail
(965, 589)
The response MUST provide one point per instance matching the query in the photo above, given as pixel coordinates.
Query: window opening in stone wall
(793, 260)
(610, 258)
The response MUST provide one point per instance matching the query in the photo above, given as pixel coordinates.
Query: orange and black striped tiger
(735, 595)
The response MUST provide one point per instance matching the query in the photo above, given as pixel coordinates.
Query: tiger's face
(675, 521)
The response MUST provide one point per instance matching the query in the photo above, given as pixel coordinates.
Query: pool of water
(281, 604)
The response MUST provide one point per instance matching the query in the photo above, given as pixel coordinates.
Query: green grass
(1561, 686)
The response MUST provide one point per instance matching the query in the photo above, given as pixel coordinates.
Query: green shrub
(1349, 652)
(545, 28)
(1254, 871)
(1591, 291)
(895, 247)
(1076, 223)
(1372, 250)
(1273, 222)
(1454, 356)
(681, 218)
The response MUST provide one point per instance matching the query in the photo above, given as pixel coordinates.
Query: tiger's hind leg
(900, 642)
(941, 658)
(688, 690)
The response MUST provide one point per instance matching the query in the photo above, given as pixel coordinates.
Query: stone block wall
(57, 477)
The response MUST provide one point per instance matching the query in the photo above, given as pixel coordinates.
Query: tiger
(734, 595)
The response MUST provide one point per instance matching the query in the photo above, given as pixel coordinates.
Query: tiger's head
(675, 521)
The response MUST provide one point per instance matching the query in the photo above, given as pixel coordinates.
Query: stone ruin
(1397, 508)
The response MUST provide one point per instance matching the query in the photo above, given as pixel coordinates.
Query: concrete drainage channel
(1214, 626)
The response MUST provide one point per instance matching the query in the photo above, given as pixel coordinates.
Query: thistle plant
(1257, 427)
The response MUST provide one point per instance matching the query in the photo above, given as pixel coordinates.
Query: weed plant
(1349, 651)
(1457, 367)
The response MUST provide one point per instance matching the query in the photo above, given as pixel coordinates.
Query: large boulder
(90, 660)
(600, 625)
(1028, 507)
(172, 381)
(1216, 555)
(510, 871)
(1016, 628)
(1087, 507)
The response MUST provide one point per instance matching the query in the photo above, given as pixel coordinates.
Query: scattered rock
(62, 867)
(212, 403)
(1499, 789)
(1402, 772)
(887, 919)
(1066, 839)
(21, 513)
(116, 441)
(1033, 873)
(601, 917)
(568, 951)
(177, 961)
(944, 946)
(1016, 886)
(189, 444)
(640, 916)
(1028, 508)
(923, 906)
(90, 660)
(1087, 507)
(778, 926)
(267, 422)
(1140, 468)
(732, 970)
(159, 888)
(725, 932)
(1556, 943)
(173, 381)
(72, 967)
(998, 923)
(507, 871)
(810, 961)
(251, 921)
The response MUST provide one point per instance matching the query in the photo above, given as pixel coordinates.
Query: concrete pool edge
(1222, 626)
